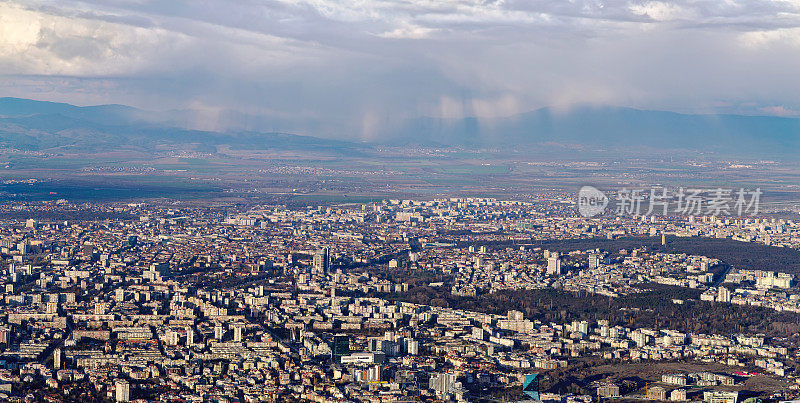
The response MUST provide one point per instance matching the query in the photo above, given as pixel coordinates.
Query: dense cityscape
(165, 302)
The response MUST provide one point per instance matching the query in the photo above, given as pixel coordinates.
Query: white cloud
(33, 42)
(757, 39)
(408, 31)
(18, 31)
(662, 11)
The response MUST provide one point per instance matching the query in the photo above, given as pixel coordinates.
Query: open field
(330, 170)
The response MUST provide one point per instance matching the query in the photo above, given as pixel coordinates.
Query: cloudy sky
(363, 63)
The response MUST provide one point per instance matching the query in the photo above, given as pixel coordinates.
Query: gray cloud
(348, 67)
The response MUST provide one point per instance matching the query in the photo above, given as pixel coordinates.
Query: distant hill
(37, 125)
(102, 114)
(613, 127)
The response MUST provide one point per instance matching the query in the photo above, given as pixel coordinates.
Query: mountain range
(36, 125)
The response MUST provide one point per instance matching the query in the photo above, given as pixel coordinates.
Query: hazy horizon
(389, 61)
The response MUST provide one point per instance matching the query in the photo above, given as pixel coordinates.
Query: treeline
(65, 215)
(743, 255)
(652, 309)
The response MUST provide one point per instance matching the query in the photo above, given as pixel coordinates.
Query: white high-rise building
(321, 261)
(57, 359)
(723, 295)
(444, 384)
(237, 332)
(173, 337)
(123, 391)
(554, 266)
(189, 336)
(412, 347)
